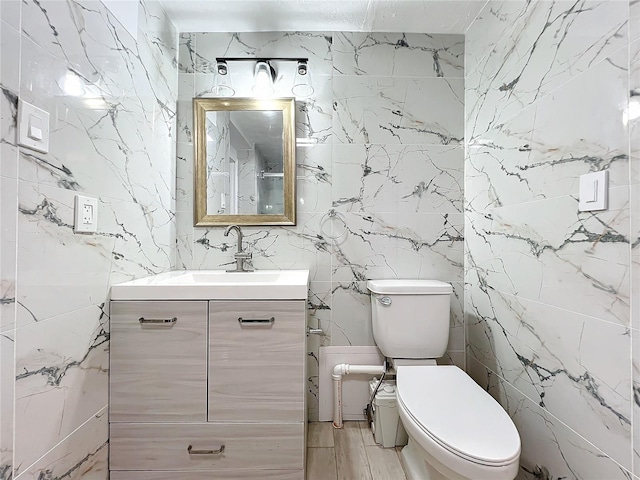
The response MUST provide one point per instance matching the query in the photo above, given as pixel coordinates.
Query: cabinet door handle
(255, 321)
(205, 452)
(158, 321)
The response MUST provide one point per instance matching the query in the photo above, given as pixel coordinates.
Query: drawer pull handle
(205, 452)
(256, 321)
(158, 321)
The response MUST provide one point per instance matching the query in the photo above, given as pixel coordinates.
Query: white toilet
(457, 431)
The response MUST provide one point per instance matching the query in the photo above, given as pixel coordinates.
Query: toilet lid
(458, 414)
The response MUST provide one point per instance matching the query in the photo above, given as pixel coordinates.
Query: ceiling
(417, 16)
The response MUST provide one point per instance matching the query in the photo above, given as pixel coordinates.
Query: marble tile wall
(549, 309)
(383, 146)
(112, 104)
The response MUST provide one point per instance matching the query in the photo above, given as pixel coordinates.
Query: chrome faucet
(240, 255)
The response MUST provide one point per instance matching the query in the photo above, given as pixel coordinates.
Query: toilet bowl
(457, 431)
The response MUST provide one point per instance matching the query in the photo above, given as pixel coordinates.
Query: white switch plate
(86, 214)
(594, 191)
(33, 127)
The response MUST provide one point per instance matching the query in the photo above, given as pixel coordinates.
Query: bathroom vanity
(207, 376)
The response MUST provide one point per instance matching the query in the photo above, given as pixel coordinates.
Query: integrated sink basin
(216, 284)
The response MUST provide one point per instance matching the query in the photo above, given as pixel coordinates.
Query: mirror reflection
(245, 169)
(245, 161)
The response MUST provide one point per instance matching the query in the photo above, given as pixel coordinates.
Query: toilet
(457, 431)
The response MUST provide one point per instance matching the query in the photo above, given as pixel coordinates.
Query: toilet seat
(448, 409)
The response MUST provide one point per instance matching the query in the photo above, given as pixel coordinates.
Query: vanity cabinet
(207, 389)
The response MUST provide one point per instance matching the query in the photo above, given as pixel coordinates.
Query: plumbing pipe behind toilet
(346, 369)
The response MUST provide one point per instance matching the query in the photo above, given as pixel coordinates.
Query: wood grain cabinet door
(158, 361)
(256, 361)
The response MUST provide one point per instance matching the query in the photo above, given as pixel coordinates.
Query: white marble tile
(398, 110)
(573, 365)
(314, 178)
(210, 46)
(495, 20)
(546, 251)
(8, 246)
(457, 341)
(634, 19)
(366, 247)
(9, 57)
(549, 448)
(398, 54)
(314, 114)
(58, 271)
(10, 12)
(83, 455)
(184, 109)
(541, 152)
(388, 178)
(8, 118)
(365, 178)
(351, 314)
(7, 378)
(520, 68)
(635, 337)
(430, 245)
(157, 45)
(184, 178)
(61, 380)
(431, 179)
(91, 42)
(451, 357)
(186, 52)
(143, 238)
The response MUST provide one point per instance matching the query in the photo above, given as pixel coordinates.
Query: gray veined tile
(61, 380)
(7, 379)
(549, 448)
(398, 110)
(398, 54)
(519, 70)
(81, 455)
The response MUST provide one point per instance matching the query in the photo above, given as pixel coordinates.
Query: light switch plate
(594, 191)
(86, 214)
(33, 127)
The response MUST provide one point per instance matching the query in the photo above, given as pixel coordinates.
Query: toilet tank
(410, 317)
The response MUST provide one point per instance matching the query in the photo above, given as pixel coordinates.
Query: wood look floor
(349, 453)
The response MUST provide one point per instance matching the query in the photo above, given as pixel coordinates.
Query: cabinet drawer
(156, 446)
(158, 370)
(256, 370)
(225, 475)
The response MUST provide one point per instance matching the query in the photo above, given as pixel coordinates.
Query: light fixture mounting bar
(259, 59)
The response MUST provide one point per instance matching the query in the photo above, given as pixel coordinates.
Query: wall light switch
(33, 127)
(594, 191)
(86, 214)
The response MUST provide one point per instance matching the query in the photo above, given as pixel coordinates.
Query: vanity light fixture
(264, 76)
(263, 79)
(302, 81)
(222, 86)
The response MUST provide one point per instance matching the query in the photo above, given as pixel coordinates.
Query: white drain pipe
(345, 369)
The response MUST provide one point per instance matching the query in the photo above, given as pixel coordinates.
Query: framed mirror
(245, 161)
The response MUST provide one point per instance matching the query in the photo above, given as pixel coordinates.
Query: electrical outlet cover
(86, 214)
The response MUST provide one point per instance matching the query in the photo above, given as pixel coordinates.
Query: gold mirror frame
(203, 105)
